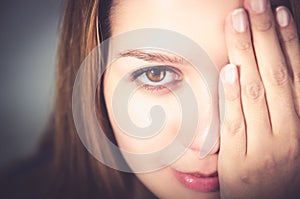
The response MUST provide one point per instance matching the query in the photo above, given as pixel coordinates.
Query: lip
(198, 181)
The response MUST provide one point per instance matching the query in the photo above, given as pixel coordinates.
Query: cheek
(138, 110)
(139, 113)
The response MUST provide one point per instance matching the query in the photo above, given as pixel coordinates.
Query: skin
(251, 157)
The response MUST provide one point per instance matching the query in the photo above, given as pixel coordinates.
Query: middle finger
(271, 62)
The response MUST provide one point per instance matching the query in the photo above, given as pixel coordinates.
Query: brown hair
(75, 172)
(74, 168)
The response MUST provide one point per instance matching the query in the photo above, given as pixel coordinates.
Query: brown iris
(156, 75)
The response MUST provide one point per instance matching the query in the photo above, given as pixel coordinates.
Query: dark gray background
(28, 42)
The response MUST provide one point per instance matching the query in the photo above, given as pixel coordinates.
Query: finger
(291, 48)
(240, 50)
(271, 63)
(233, 134)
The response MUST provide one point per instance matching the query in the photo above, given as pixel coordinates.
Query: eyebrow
(149, 56)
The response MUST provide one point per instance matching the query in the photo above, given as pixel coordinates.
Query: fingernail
(282, 16)
(239, 20)
(258, 6)
(229, 74)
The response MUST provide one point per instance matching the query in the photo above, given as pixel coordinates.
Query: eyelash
(157, 86)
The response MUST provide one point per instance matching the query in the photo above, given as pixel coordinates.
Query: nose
(207, 139)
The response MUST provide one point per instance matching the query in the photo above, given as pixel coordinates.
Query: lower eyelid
(160, 89)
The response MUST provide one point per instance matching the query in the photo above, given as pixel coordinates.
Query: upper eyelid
(140, 71)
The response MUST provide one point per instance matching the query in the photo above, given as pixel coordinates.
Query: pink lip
(198, 182)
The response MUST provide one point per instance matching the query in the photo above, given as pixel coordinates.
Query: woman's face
(157, 82)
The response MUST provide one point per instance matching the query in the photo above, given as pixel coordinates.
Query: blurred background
(28, 42)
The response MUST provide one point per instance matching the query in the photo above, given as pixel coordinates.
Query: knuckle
(245, 175)
(270, 163)
(279, 75)
(245, 179)
(232, 95)
(294, 148)
(290, 37)
(254, 90)
(243, 45)
(297, 77)
(263, 25)
(234, 126)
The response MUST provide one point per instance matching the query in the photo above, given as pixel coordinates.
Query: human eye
(157, 78)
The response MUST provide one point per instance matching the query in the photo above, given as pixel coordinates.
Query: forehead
(200, 20)
(170, 14)
(198, 16)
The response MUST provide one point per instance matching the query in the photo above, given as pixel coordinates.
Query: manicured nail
(282, 16)
(229, 74)
(258, 6)
(239, 20)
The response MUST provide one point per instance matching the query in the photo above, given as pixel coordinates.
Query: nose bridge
(207, 140)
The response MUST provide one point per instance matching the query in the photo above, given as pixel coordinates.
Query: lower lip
(197, 183)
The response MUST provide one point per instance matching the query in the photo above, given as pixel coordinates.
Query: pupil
(156, 75)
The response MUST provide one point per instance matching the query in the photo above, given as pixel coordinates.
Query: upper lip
(200, 175)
